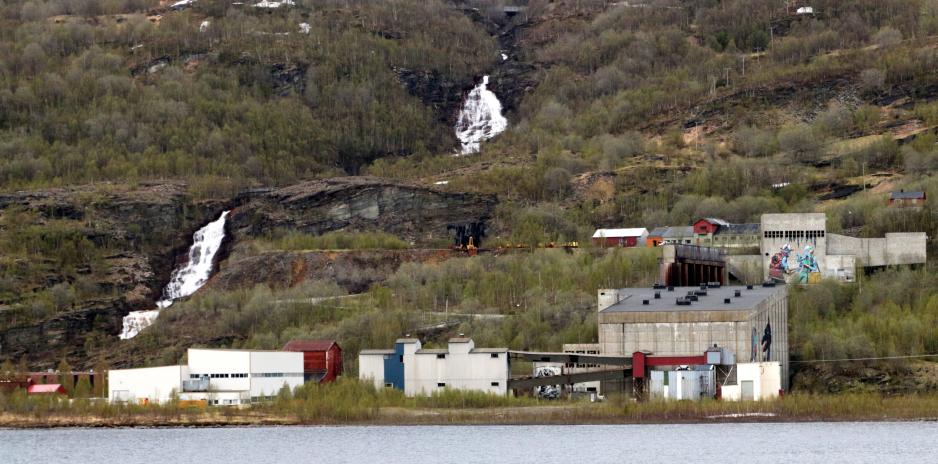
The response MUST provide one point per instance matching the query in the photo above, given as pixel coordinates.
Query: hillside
(125, 125)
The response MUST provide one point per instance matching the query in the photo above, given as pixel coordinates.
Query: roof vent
(682, 302)
(691, 297)
(768, 284)
(749, 287)
(715, 285)
(737, 293)
(657, 286)
(670, 288)
(657, 295)
(726, 301)
(645, 302)
(701, 293)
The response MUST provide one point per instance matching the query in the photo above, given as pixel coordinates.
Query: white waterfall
(186, 279)
(480, 118)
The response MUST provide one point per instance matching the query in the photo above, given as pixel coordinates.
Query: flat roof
(376, 352)
(632, 298)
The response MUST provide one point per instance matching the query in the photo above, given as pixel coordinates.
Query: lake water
(708, 443)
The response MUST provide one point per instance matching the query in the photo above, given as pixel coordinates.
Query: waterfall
(480, 118)
(185, 279)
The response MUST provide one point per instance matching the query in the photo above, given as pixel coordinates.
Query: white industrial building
(419, 371)
(219, 377)
(753, 382)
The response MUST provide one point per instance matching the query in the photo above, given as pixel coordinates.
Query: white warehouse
(219, 377)
(419, 371)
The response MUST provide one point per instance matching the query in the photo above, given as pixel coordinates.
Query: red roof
(45, 389)
(309, 345)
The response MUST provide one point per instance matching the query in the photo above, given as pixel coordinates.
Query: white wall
(289, 364)
(461, 368)
(765, 377)
(152, 384)
(224, 362)
(371, 368)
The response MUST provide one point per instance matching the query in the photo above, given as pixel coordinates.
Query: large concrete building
(215, 376)
(418, 371)
(750, 321)
(796, 248)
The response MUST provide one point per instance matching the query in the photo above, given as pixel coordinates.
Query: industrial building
(322, 359)
(620, 237)
(418, 371)
(214, 376)
(750, 321)
(796, 248)
(790, 247)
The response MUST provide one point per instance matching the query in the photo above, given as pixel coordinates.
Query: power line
(867, 359)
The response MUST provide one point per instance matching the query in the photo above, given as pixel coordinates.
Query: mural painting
(794, 268)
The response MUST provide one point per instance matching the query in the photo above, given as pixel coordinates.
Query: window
(494, 384)
(441, 384)
(495, 355)
(389, 385)
(441, 356)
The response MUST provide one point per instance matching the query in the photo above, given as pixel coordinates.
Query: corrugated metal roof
(309, 345)
(46, 388)
(739, 229)
(679, 231)
(712, 301)
(614, 233)
(902, 195)
(433, 351)
(717, 221)
(658, 231)
(406, 340)
(490, 350)
(376, 352)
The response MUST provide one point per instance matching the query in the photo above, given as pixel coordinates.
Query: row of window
(244, 375)
(443, 384)
(794, 234)
(443, 356)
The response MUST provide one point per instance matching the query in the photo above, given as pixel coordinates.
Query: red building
(322, 359)
(903, 198)
(620, 237)
(46, 389)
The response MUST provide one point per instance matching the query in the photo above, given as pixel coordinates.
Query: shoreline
(513, 416)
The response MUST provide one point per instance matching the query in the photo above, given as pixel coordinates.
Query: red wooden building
(322, 359)
(46, 389)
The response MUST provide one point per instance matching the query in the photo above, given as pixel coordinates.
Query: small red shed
(322, 359)
(46, 389)
(709, 226)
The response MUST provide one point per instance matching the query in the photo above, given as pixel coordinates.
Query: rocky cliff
(76, 260)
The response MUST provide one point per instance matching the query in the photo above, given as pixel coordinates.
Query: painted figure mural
(798, 268)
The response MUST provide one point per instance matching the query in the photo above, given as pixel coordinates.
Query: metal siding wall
(394, 368)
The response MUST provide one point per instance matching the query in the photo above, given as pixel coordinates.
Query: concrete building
(620, 237)
(218, 377)
(796, 248)
(418, 371)
(753, 382)
(750, 321)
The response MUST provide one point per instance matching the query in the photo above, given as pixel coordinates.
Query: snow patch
(185, 279)
(480, 118)
(204, 26)
(304, 28)
(504, 57)
(182, 4)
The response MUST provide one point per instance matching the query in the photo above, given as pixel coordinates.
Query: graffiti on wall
(794, 267)
(761, 349)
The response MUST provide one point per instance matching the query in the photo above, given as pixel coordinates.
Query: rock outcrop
(420, 215)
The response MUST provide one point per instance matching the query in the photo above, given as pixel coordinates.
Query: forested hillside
(620, 114)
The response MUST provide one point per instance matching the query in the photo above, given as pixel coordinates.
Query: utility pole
(744, 65)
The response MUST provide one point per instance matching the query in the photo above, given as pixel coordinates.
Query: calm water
(712, 443)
